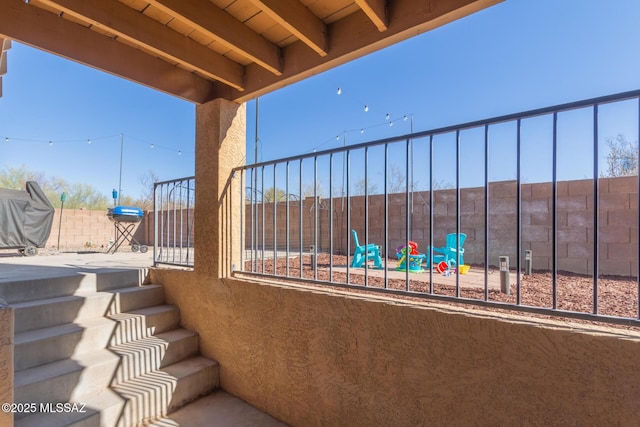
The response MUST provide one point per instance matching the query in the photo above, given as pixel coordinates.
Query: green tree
(16, 178)
(79, 195)
(278, 195)
(622, 159)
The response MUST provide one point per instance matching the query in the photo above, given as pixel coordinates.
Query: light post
(63, 198)
(505, 287)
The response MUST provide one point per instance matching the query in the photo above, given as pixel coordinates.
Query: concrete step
(144, 322)
(153, 353)
(46, 345)
(43, 313)
(65, 380)
(91, 372)
(71, 283)
(218, 409)
(100, 409)
(147, 397)
(128, 299)
(160, 392)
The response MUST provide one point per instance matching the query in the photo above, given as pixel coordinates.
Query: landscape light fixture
(504, 275)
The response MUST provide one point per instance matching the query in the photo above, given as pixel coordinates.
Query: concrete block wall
(85, 229)
(617, 223)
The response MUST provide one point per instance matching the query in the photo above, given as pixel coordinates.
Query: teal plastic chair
(449, 252)
(362, 254)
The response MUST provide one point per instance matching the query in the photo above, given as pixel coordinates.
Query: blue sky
(515, 56)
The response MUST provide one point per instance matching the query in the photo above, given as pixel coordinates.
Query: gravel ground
(617, 296)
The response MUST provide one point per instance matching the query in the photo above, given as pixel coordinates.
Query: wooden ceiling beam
(137, 28)
(353, 37)
(299, 20)
(225, 29)
(376, 11)
(43, 30)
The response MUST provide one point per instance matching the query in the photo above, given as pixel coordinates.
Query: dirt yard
(617, 296)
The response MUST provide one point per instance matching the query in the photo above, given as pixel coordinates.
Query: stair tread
(65, 328)
(147, 311)
(218, 409)
(93, 403)
(62, 367)
(159, 378)
(153, 340)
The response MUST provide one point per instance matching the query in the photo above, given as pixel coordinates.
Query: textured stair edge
(161, 392)
(152, 353)
(148, 320)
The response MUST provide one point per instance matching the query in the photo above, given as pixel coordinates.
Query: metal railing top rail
(452, 128)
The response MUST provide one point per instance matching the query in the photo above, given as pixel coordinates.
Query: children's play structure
(445, 259)
(363, 254)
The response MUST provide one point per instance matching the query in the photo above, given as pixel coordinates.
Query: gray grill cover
(25, 217)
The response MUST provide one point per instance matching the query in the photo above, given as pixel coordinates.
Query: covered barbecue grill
(25, 219)
(125, 219)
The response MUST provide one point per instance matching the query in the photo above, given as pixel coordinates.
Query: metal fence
(174, 207)
(526, 187)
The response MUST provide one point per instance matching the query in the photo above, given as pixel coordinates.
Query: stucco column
(220, 147)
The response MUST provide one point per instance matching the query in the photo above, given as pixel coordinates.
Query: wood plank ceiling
(200, 50)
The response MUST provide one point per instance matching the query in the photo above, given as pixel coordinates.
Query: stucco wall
(6, 361)
(313, 357)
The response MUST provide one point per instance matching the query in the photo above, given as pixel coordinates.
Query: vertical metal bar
(155, 224)
(175, 221)
(263, 222)
(458, 213)
(638, 212)
(348, 170)
(181, 209)
(366, 216)
(386, 215)
(275, 223)
(554, 213)
(331, 217)
(301, 223)
(431, 214)
(407, 219)
(486, 212)
(288, 218)
(314, 255)
(189, 242)
(252, 192)
(596, 195)
(243, 206)
(518, 209)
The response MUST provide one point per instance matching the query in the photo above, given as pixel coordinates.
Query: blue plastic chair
(362, 254)
(449, 252)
